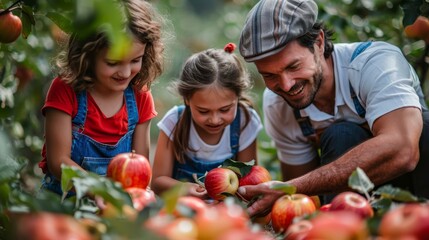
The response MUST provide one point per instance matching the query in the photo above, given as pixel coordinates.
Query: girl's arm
(141, 139)
(249, 153)
(58, 135)
(163, 169)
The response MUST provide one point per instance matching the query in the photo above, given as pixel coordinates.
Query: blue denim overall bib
(183, 172)
(91, 155)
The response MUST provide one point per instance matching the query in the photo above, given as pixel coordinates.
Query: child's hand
(197, 190)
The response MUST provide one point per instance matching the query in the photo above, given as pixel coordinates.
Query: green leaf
(61, 21)
(67, 173)
(396, 194)
(171, 196)
(360, 182)
(241, 168)
(28, 21)
(284, 187)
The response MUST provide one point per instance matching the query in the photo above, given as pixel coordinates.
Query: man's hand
(267, 196)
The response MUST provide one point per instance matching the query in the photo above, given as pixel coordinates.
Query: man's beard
(310, 97)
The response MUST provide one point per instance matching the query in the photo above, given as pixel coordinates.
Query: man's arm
(393, 151)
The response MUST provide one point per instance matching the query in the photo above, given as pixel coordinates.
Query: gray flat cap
(271, 24)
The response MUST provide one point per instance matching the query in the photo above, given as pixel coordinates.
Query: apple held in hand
(221, 180)
(408, 221)
(287, 207)
(353, 202)
(257, 174)
(10, 27)
(131, 170)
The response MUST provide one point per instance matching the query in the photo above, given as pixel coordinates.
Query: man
(358, 104)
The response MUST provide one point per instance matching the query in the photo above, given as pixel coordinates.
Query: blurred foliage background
(26, 65)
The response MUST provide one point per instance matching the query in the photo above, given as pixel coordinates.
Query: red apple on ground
(10, 27)
(192, 203)
(245, 234)
(298, 230)
(410, 220)
(141, 197)
(180, 229)
(45, 225)
(325, 207)
(353, 202)
(316, 201)
(339, 225)
(257, 174)
(220, 218)
(131, 170)
(221, 180)
(287, 207)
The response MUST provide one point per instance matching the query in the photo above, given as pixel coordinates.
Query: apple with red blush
(258, 174)
(353, 202)
(221, 180)
(288, 207)
(410, 220)
(338, 225)
(130, 169)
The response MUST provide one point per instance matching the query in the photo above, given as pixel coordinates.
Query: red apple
(287, 207)
(221, 180)
(245, 234)
(325, 207)
(141, 197)
(353, 202)
(257, 174)
(298, 230)
(131, 170)
(220, 218)
(10, 27)
(340, 225)
(180, 229)
(45, 225)
(316, 201)
(195, 204)
(409, 220)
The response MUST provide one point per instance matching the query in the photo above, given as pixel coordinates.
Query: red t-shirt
(102, 129)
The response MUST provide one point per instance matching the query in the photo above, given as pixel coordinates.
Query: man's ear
(320, 41)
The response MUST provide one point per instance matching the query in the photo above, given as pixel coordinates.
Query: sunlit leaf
(360, 182)
(396, 194)
(284, 187)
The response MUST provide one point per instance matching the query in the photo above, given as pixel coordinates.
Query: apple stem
(133, 152)
(198, 181)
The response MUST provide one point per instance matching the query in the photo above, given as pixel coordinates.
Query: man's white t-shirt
(222, 150)
(382, 79)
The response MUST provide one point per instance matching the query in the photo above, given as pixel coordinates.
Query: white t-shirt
(382, 79)
(222, 150)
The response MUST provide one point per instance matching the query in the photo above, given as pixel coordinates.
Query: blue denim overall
(183, 172)
(91, 155)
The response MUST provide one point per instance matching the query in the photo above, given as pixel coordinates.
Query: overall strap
(180, 109)
(79, 120)
(132, 111)
(235, 133)
(359, 108)
(304, 123)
